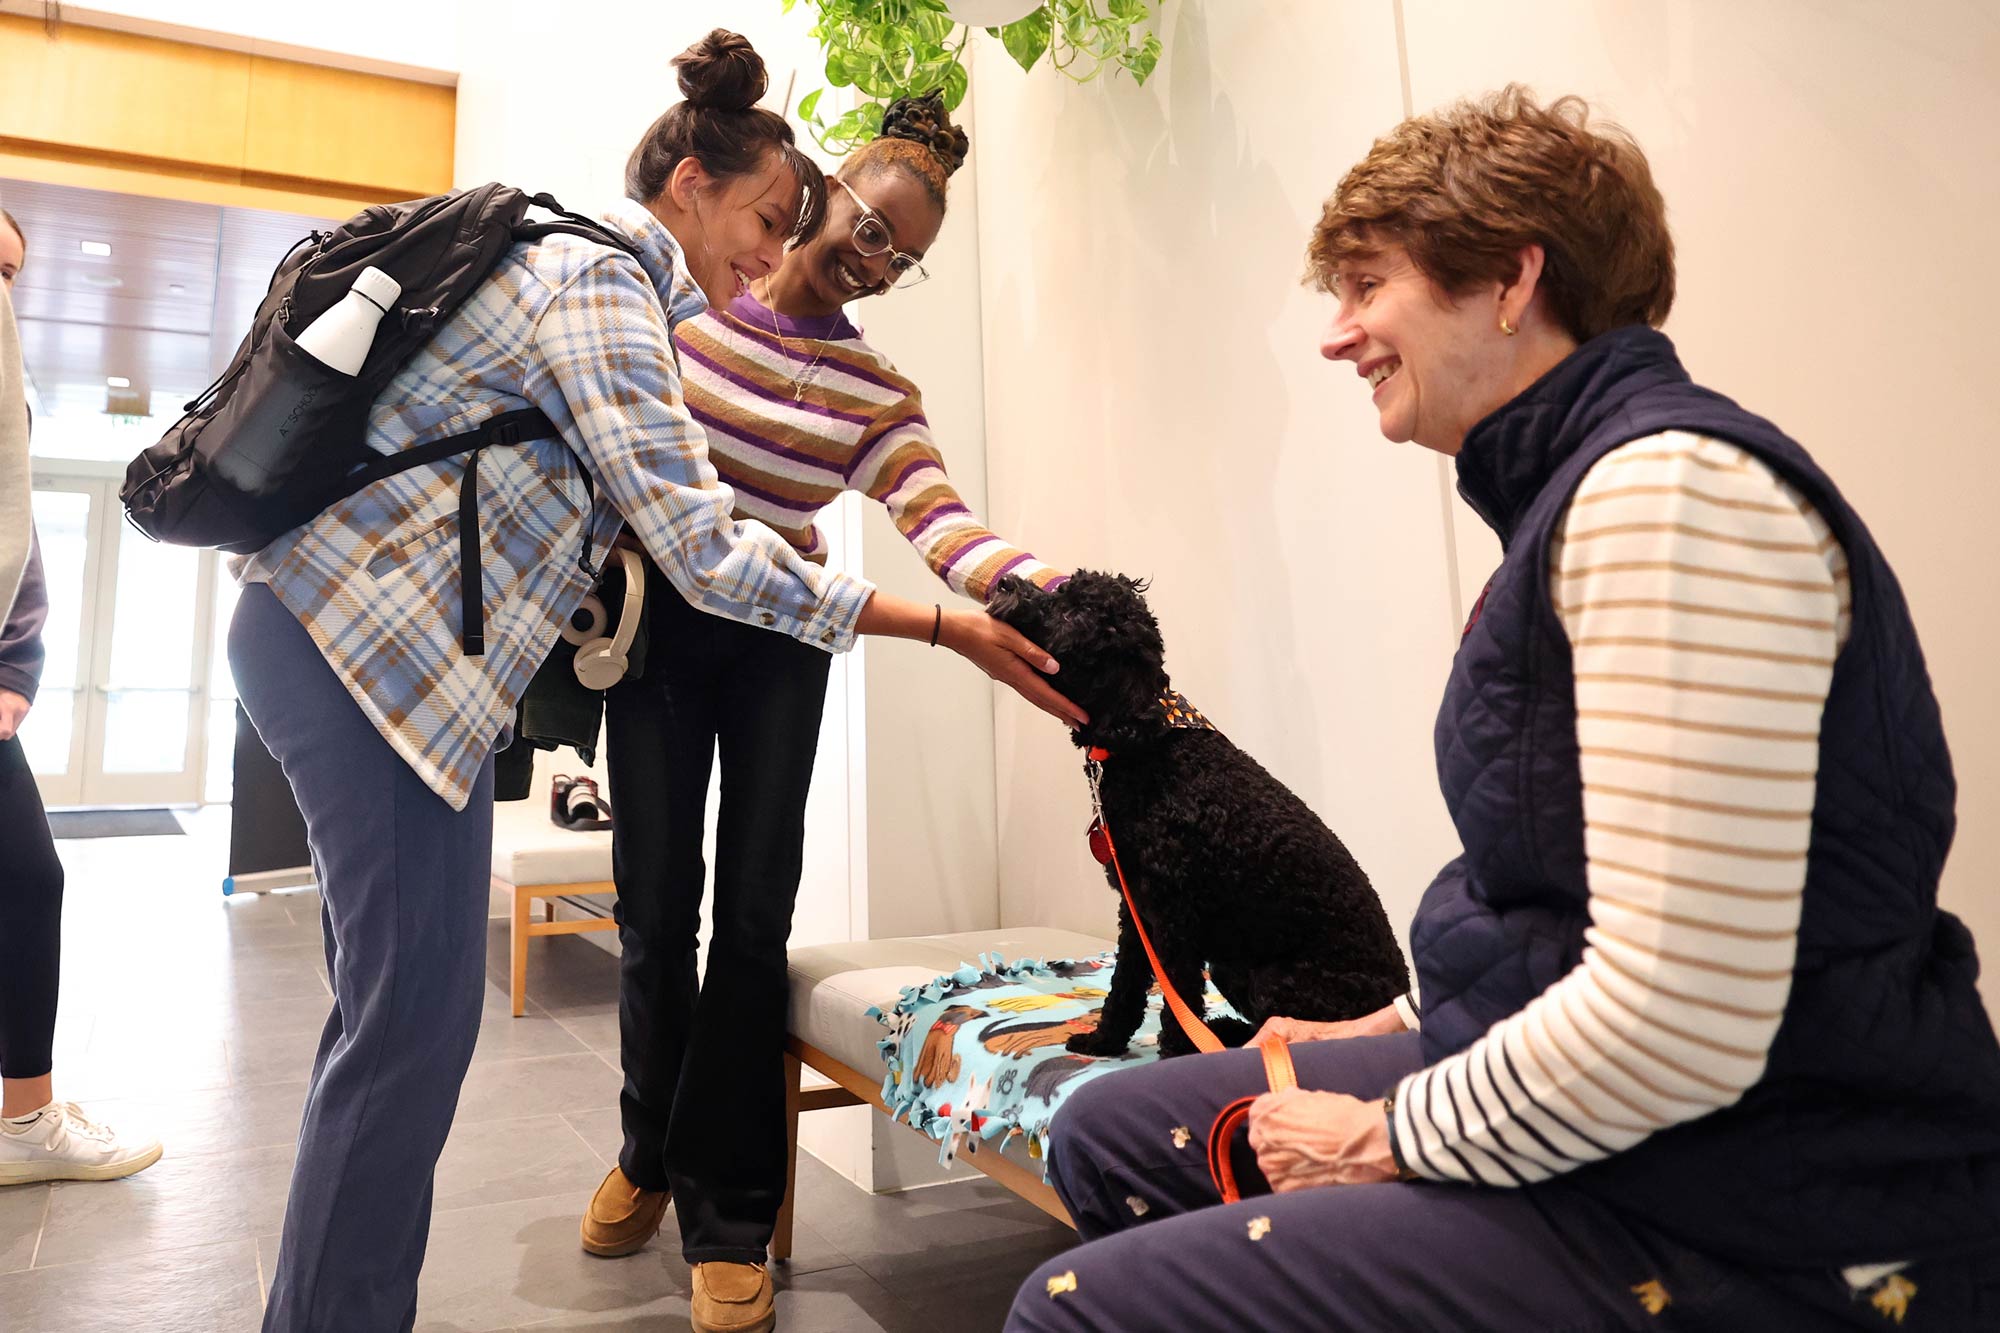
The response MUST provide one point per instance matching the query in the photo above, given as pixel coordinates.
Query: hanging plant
(887, 49)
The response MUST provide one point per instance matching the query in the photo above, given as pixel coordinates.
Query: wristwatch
(1403, 1171)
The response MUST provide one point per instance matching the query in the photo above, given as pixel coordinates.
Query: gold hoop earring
(1507, 328)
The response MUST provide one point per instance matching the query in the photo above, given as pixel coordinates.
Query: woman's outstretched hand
(1003, 653)
(1303, 1139)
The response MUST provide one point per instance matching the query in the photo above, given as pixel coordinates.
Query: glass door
(122, 716)
(66, 514)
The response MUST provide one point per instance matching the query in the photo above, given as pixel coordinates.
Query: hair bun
(924, 120)
(722, 72)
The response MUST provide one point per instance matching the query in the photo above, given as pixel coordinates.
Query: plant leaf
(955, 83)
(878, 80)
(1143, 61)
(1027, 38)
(809, 104)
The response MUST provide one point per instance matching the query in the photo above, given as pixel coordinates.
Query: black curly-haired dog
(1227, 866)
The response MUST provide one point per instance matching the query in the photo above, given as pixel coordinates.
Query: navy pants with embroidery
(1163, 1255)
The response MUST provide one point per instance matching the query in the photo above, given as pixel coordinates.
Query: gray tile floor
(197, 1016)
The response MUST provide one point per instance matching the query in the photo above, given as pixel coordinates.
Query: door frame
(85, 782)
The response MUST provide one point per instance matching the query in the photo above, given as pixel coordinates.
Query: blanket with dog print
(976, 1057)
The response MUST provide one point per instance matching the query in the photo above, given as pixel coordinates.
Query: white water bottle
(340, 338)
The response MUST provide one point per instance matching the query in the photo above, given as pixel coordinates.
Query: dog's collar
(1180, 716)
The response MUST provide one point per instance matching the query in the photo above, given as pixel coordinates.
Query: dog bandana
(1181, 714)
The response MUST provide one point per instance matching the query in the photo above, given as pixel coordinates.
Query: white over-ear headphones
(600, 661)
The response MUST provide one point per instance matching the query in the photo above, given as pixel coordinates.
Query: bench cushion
(530, 850)
(833, 986)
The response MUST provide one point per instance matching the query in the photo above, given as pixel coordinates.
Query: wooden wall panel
(112, 92)
(120, 111)
(326, 124)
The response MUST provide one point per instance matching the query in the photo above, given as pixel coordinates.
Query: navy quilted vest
(1875, 1132)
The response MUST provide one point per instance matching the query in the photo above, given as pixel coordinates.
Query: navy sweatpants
(403, 888)
(1163, 1255)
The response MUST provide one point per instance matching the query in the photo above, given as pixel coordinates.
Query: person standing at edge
(40, 1137)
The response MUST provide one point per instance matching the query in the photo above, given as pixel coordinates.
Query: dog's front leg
(1125, 1007)
(1184, 969)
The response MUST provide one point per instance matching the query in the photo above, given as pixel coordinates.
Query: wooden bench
(829, 1031)
(532, 858)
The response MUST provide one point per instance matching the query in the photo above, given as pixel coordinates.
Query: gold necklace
(804, 378)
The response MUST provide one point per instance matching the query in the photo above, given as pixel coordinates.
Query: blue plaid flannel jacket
(584, 333)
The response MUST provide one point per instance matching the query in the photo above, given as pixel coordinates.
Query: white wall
(1158, 407)
(1832, 170)
(933, 863)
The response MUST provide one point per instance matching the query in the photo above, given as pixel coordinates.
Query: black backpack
(280, 437)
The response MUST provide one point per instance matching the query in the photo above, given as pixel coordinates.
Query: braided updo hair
(918, 137)
(721, 126)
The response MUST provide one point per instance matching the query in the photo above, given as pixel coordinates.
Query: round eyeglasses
(871, 238)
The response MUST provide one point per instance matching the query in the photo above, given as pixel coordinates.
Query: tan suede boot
(732, 1298)
(621, 1217)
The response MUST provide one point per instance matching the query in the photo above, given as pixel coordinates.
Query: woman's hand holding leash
(1294, 1030)
(1305, 1139)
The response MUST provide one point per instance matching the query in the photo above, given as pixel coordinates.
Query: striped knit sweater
(1704, 601)
(798, 410)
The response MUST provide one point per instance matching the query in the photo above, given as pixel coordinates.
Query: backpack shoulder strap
(573, 224)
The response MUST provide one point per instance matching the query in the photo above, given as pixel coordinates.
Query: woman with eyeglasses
(798, 408)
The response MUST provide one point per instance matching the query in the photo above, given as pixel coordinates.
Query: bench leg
(548, 909)
(781, 1237)
(518, 937)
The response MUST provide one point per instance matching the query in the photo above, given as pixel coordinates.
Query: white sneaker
(60, 1144)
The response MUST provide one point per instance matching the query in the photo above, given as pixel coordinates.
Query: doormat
(113, 823)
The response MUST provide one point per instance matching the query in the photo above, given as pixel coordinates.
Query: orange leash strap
(1279, 1071)
(1197, 1031)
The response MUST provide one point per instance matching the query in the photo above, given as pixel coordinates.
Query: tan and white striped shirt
(1705, 602)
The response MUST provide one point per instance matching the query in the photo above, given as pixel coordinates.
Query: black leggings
(31, 889)
(704, 1097)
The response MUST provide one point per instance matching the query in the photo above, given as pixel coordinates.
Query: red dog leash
(1277, 1054)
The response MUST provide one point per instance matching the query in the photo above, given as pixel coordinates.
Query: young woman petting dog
(797, 408)
(1697, 1045)
(346, 641)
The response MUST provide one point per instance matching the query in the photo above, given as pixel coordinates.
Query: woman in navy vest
(1696, 1046)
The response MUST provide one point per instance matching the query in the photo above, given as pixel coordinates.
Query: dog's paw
(1095, 1043)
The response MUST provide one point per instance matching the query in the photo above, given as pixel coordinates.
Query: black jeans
(704, 1098)
(31, 892)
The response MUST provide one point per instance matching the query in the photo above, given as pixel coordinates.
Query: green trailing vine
(885, 49)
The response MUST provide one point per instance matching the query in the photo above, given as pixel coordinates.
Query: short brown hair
(1463, 190)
